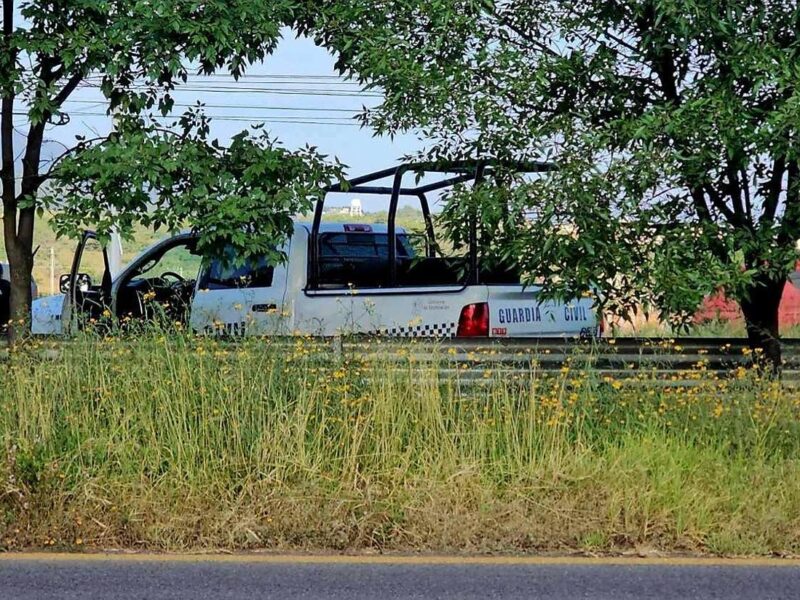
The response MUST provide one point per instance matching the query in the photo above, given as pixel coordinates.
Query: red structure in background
(719, 307)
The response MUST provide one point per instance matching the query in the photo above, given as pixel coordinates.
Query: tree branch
(772, 189)
(33, 151)
(54, 163)
(790, 227)
(700, 205)
(618, 40)
(31, 181)
(664, 66)
(7, 138)
(719, 204)
(748, 203)
(662, 59)
(734, 190)
(534, 41)
(68, 88)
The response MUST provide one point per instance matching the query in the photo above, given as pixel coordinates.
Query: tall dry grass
(172, 442)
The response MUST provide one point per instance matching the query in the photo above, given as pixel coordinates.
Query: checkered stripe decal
(437, 330)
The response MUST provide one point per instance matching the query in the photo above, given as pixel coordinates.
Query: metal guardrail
(664, 358)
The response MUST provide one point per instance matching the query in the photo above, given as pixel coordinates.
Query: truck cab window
(357, 259)
(227, 273)
(361, 260)
(362, 245)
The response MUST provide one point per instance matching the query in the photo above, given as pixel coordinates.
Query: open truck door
(87, 287)
(159, 283)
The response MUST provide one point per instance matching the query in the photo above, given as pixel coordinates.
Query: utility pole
(52, 271)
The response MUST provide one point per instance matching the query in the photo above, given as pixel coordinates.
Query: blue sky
(297, 83)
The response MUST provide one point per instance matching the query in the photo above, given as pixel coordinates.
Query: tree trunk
(21, 299)
(21, 272)
(760, 310)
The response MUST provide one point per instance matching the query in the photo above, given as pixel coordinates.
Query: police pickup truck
(338, 278)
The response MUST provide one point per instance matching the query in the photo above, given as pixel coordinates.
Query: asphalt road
(65, 578)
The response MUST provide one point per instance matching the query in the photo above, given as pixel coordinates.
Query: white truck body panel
(46, 315)
(404, 312)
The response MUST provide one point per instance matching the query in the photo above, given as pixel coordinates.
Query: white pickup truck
(337, 279)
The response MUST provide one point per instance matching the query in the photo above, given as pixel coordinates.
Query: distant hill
(408, 217)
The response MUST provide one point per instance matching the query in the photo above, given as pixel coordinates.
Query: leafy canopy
(674, 125)
(174, 175)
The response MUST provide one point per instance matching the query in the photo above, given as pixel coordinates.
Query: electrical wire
(235, 88)
(244, 107)
(289, 84)
(327, 79)
(311, 120)
(247, 119)
(266, 91)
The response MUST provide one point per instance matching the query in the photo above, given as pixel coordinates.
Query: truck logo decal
(529, 314)
(575, 313)
(434, 330)
(429, 304)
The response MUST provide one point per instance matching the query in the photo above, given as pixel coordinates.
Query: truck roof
(353, 227)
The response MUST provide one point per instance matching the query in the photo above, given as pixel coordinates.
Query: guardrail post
(338, 347)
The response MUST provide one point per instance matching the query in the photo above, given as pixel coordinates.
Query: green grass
(173, 443)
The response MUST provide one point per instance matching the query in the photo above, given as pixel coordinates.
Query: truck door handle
(264, 307)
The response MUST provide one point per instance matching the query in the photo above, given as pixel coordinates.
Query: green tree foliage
(243, 194)
(674, 126)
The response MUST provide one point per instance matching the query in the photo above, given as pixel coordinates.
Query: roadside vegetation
(716, 328)
(170, 442)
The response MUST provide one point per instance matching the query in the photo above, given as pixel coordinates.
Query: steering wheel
(172, 274)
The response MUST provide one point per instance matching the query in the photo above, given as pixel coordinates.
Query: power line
(278, 92)
(329, 79)
(239, 89)
(252, 80)
(270, 75)
(239, 116)
(244, 107)
(338, 121)
(97, 75)
(314, 120)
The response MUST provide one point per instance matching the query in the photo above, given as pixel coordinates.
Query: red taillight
(474, 321)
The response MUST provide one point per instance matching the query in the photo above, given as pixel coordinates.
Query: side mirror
(64, 283)
(84, 282)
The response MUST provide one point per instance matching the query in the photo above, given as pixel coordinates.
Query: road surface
(67, 577)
